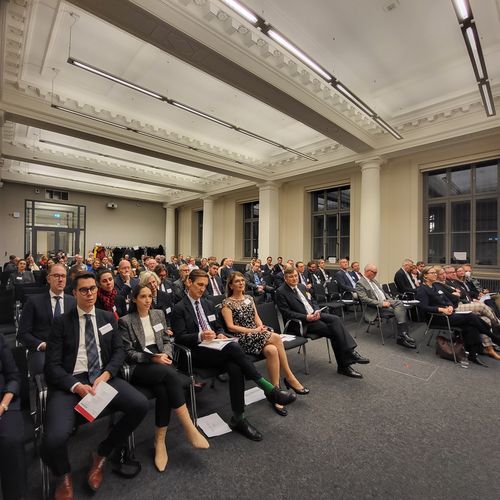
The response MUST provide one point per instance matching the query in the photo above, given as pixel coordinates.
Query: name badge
(308, 295)
(114, 308)
(168, 310)
(211, 317)
(19, 277)
(169, 290)
(106, 328)
(158, 327)
(440, 292)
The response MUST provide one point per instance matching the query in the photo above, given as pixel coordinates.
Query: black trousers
(166, 386)
(12, 463)
(332, 327)
(238, 366)
(472, 325)
(36, 362)
(61, 418)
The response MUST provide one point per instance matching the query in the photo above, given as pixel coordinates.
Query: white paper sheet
(212, 425)
(286, 338)
(91, 406)
(217, 344)
(253, 395)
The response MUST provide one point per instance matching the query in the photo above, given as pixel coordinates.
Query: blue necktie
(94, 368)
(57, 309)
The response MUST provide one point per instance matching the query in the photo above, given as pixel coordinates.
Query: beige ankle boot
(194, 436)
(161, 456)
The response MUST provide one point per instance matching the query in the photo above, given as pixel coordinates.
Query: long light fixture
(282, 40)
(473, 44)
(147, 134)
(177, 104)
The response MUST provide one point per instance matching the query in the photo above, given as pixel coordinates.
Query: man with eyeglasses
(371, 294)
(38, 315)
(85, 349)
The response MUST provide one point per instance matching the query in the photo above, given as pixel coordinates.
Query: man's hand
(104, 377)
(386, 303)
(221, 336)
(208, 335)
(313, 316)
(42, 346)
(83, 389)
(446, 310)
(161, 359)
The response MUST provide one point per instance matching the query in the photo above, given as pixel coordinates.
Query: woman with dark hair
(146, 342)
(108, 296)
(432, 301)
(243, 321)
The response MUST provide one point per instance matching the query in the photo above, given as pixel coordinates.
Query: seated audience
(226, 269)
(431, 301)
(136, 267)
(107, 264)
(21, 276)
(355, 271)
(162, 301)
(345, 280)
(11, 265)
(303, 274)
(162, 273)
(322, 273)
(179, 286)
(145, 338)
(415, 275)
(404, 281)
(371, 294)
(12, 460)
(173, 268)
(312, 269)
(109, 298)
(78, 262)
(74, 369)
(215, 286)
(38, 315)
(242, 320)
(124, 280)
(279, 267)
(204, 265)
(150, 264)
(194, 321)
(30, 264)
(255, 282)
(295, 302)
(267, 269)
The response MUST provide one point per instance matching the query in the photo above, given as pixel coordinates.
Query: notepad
(91, 406)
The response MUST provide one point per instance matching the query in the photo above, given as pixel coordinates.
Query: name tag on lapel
(168, 310)
(158, 327)
(211, 317)
(440, 292)
(169, 290)
(308, 295)
(106, 328)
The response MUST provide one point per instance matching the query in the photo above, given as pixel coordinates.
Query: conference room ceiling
(406, 60)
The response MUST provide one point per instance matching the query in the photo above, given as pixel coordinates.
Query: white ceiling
(409, 64)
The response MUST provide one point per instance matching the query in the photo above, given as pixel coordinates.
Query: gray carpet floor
(415, 427)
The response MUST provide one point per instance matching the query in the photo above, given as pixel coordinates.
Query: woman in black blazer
(12, 465)
(145, 339)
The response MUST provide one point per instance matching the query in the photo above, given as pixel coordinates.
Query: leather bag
(445, 350)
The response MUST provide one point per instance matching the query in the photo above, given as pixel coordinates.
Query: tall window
(331, 222)
(250, 229)
(462, 214)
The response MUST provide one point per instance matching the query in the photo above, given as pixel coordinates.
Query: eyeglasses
(87, 290)
(432, 272)
(58, 276)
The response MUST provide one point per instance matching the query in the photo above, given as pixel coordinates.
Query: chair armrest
(302, 327)
(126, 372)
(177, 351)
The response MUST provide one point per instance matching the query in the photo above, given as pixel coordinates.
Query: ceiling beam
(155, 31)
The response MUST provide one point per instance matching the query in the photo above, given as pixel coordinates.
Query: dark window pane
(486, 178)
(437, 218)
(247, 248)
(436, 255)
(332, 199)
(344, 248)
(255, 230)
(345, 225)
(486, 249)
(460, 216)
(331, 247)
(331, 225)
(460, 181)
(255, 210)
(247, 211)
(437, 185)
(486, 215)
(318, 201)
(345, 198)
(460, 245)
(318, 248)
(318, 226)
(247, 228)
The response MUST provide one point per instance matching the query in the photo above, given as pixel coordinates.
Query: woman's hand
(161, 359)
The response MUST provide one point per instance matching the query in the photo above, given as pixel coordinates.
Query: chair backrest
(386, 289)
(7, 306)
(269, 315)
(216, 300)
(393, 290)
(319, 292)
(22, 290)
(4, 278)
(333, 289)
(19, 354)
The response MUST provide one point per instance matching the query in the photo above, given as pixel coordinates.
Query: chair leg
(306, 365)
(328, 349)
(380, 329)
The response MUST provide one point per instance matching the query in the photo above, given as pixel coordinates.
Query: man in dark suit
(355, 271)
(403, 280)
(85, 349)
(322, 273)
(345, 281)
(226, 270)
(124, 281)
(215, 286)
(279, 267)
(38, 314)
(255, 282)
(303, 274)
(194, 321)
(179, 286)
(267, 269)
(295, 302)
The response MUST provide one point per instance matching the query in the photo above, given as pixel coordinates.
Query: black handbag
(444, 348)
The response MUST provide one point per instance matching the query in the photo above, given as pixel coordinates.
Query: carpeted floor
(416, 427)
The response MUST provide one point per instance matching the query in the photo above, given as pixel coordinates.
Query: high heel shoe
(491, 352)
(283, 412)
(300, 392)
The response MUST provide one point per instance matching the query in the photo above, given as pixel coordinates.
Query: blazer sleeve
(133, 350)
(117, 357)
(364, 297)
(25, 333)
(9, 371)
(286, 310)
(184, 334)
(424, 295)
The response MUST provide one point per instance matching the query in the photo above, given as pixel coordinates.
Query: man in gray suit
(371, 294)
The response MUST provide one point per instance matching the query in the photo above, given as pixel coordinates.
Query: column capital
(372, 162)
(170, 205)
(269, 185)
(209, 197)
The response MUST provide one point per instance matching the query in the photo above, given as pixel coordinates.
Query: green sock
(238, 417)
(264, 384)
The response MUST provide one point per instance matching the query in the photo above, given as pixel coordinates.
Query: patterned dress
(243, 315)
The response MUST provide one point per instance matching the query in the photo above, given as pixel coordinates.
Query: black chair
(382, 313)
(330, 298)
(215, 300)
(8, 324)
(4, 278)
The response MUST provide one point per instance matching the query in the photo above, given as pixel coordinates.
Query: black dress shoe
(357, 358)
(245, 428)
(349, 371)
(283, 412)
(277, 396)
(474, 359)
(300, 392)
(405, 343)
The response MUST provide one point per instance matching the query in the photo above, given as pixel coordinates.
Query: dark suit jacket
(250, 282)
(173, 272)
(17, 278)
(185, 324)
(123, 288)
(10, 380)
(290, 305)
(210, 289)
(321, 276)
(402, 283)
(224, 274)
(62, 348)
(178, 290)
(343, 282)
(278, 268)
(36, 319)
(165, 303)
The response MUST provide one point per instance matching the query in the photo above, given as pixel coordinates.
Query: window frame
(253, 223)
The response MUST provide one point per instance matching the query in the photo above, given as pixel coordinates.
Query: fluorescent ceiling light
(185, 107)
(462, 9)
(487, 99)
(477, 60)
(113, 78)
(277, 37)
(346, 93)
(301, 154)
(78, 113)
(242, 11)
(387, 127)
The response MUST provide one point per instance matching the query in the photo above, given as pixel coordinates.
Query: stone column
(208, 226)
(170, 242)
(269, 219)
(369, 241)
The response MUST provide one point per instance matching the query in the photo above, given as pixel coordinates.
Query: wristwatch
(4, 406)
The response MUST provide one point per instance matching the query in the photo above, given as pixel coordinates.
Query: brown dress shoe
(64, 489)
(96, 472)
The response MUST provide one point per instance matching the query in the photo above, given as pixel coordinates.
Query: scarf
(108, 300)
